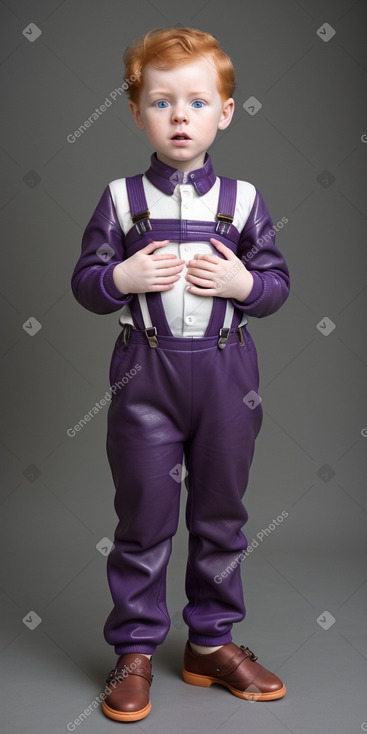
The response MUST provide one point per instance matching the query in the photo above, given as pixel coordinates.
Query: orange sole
(204, 681)
(125, 715)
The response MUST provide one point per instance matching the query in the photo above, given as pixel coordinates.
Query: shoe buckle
(249, 653)
(111, 675)
(117, 672)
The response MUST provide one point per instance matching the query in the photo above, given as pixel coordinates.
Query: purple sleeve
(258, 252)
(102, 249)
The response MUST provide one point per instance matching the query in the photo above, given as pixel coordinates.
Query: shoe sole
(126, 715)
(204, 681)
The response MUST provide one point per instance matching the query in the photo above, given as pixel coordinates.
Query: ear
(136, 115)
(227, 114)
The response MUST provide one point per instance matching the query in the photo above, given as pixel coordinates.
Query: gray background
(305, 149)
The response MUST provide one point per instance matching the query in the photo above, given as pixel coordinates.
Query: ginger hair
(166, 48)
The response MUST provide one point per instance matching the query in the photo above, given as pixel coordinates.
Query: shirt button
(189, 319)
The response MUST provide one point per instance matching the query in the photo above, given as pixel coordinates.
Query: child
(186, 256)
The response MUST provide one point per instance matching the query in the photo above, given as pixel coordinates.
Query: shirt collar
(166, 178)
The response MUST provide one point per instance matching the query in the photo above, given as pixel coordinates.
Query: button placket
(186, 196)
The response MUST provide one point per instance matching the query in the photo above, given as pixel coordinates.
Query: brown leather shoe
(127, 690)
(235, 668)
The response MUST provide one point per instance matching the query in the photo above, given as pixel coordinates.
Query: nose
(179, 114)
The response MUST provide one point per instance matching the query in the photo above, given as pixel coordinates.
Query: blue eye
(197, 103)
(162, 104)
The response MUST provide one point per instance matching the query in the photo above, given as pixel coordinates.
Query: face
(181, 110)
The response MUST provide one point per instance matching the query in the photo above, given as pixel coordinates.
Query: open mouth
(181, 136)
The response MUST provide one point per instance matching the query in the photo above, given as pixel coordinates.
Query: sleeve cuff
(110, 286)
(255, 294)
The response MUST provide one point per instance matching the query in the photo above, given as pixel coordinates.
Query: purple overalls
(179, 399)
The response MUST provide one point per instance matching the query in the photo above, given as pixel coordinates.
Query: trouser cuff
(209, 641)
(144, 648)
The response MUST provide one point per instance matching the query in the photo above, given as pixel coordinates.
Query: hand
(143, 272)
(210, 275)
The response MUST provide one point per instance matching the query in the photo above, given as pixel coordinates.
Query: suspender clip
(142, 222)
(126, 334)
(240, 336)
(223, 337)
(224, 223)
(151, 334)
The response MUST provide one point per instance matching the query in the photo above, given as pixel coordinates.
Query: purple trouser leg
(184, 397)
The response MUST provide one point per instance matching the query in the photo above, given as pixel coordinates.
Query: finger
(167, 271)
(160, 282)
(163, 282)
(206, 292)
(223, 249)
(154, 246)
(210, 265)
(206, 258)
(167, 256)
(203, 282)
(202, 273)
(165, 287)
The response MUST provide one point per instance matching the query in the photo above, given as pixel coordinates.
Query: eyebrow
(194, 93)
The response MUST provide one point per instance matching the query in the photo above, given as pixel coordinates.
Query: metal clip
(126, 334)
(151, 334)
(223, 337)
(240, 336)
(143, 227)
(224, 223)
(142, 222)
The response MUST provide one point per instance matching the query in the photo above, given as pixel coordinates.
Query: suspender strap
(138, 204)
(150, 330)
(226, 207)
(226, 204)
(180, 230)
(224, 331)
(140, 213)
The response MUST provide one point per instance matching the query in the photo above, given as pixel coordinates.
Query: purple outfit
(183, 398)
